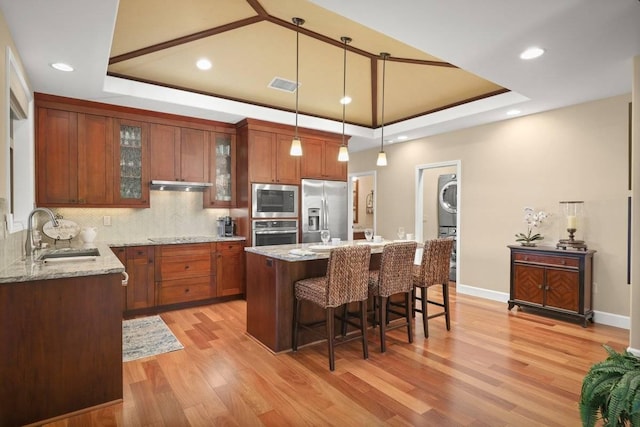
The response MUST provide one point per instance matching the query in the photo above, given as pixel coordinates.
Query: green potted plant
(611, 391)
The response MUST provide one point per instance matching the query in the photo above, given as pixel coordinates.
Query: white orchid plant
(534, 220)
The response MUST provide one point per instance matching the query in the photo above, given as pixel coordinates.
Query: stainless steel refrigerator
(324, 206)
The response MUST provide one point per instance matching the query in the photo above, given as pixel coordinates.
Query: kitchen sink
(69, 254)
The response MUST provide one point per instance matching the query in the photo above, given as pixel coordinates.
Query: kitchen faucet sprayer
(28, 245)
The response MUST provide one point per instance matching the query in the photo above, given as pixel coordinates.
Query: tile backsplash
(172, 213)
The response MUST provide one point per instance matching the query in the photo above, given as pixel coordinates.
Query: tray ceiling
(252, 42)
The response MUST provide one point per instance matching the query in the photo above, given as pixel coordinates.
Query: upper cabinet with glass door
(131, 156)
(222, 170)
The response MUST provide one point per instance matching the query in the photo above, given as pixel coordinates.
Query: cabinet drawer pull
(539, 286)
(563, 262)
(526, 258)
(186, 267)
(547, 288)
(186, 291)
(140, 252)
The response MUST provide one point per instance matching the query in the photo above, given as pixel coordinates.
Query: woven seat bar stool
(345, 282)
(432, 271)
(394, 277)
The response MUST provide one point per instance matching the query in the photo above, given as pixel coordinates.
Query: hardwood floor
(494, 368)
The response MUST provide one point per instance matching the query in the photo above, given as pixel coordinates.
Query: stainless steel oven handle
(275, 232)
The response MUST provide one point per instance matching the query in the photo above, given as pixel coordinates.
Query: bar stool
(394, 277)
(345, 282)
(433, 270)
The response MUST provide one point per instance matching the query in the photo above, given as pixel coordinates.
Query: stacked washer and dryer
(448, 213)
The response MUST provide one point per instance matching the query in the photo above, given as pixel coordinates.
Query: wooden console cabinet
(552, 281)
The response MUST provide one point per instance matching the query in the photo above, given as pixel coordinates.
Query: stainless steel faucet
(28, 245)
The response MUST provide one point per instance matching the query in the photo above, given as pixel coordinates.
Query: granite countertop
(308, 251)
(28, 270)
(31, 269)
(181, 240)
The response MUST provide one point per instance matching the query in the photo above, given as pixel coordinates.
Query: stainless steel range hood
(179, 185)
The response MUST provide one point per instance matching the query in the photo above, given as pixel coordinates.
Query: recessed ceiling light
(531, 53)
(513, 112)
(61, 66)
(346, 100)
(402, 137)
(203, 64)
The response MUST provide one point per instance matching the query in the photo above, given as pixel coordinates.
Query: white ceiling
(589, 49)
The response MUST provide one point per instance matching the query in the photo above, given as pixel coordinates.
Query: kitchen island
(61, 335)
(271, 274)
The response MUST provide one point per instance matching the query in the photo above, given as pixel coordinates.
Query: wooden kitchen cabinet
(270, 159)
(57, 158)
(74, 159)
(230, 268)
(552, 281)
(62, 341)
(141, 287)
(131, 155)
(164, 149)
(222, 171)
(320, 160)
(194, 155)
(179, 154)
(183, 273)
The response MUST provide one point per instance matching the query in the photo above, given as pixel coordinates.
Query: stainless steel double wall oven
(274, 209)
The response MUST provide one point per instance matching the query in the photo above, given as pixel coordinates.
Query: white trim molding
(599, 317)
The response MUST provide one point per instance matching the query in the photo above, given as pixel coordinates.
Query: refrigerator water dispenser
(314, 219)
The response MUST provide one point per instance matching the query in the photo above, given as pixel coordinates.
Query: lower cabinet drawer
(178, 267)
(184, 290)
(563, 261)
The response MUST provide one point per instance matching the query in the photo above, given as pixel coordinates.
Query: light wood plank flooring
(494, 368)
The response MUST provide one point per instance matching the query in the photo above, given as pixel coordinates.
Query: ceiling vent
(283, 84)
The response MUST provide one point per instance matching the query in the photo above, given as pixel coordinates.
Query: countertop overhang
(302, 251)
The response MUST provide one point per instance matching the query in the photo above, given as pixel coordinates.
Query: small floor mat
(147, 336)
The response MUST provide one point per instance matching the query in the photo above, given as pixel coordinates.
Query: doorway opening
(437, 205)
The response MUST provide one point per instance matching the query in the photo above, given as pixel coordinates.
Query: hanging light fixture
(343, 154)
(296, 145)
(382, 156)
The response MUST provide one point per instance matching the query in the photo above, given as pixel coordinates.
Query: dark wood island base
(270, 296)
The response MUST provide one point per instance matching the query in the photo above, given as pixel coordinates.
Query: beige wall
(10, 244)
(5, 40)
(575, 153)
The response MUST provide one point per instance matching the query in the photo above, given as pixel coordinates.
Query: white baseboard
(600, 317)
(634, 351)
(482, 293)
(611, 319)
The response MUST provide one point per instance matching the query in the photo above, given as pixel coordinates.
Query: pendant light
(382, 156)
(296, 145)
(343, 154)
